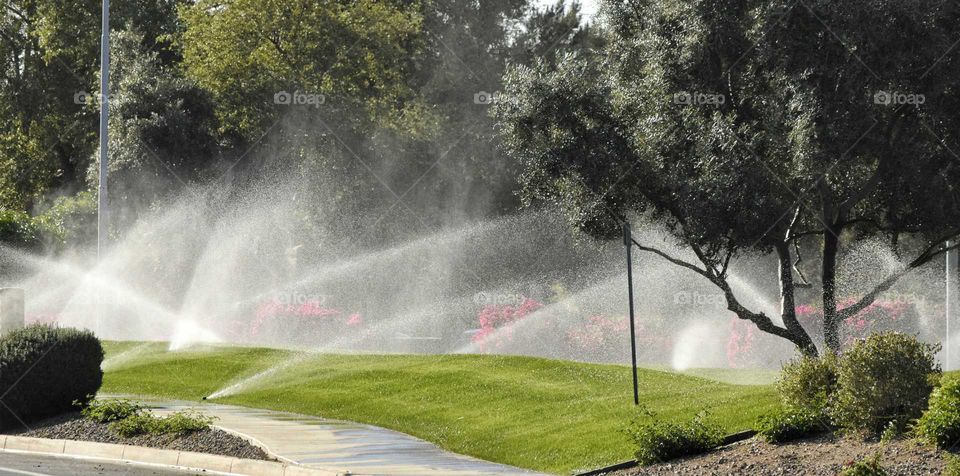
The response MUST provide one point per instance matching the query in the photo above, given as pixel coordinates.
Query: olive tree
(750, 127)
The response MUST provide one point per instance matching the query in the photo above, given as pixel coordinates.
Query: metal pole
(950, 304)
(102, 203)
(628, 242)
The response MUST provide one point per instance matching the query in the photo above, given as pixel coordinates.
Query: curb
(152, 456)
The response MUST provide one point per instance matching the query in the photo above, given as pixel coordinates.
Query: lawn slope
(553, 416)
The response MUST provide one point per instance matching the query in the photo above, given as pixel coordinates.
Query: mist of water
(249, 266)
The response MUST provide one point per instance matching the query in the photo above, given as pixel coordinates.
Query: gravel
(824, 455)
(213, 441)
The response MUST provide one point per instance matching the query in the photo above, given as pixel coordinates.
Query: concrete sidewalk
(342, 447)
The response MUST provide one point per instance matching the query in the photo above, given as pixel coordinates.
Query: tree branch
(935, 249)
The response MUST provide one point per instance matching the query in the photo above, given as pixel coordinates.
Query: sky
(589, 6)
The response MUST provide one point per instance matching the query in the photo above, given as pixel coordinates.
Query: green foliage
(69, 221)
(359, 54)
(18, 229)
(657, 441)
(953, 465)
(806, 383)
(866, 467)
(940, 424)
(162, 128)
(145, 423)
(106, 411)
(711, 138)
(791, 424)
(44, 370)
(884, 379)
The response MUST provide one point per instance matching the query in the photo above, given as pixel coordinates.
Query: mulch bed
(72, 426)
(824, 455)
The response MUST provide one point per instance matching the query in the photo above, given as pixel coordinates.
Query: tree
(752, 127)
(162, 127)
(251, 54)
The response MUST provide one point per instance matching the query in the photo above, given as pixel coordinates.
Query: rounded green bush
(46, 371)
(790, 424)
(884, 380)
(940, 424)
(807, 383)
(658, 441)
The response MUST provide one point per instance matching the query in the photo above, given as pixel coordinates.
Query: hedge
(44, 369)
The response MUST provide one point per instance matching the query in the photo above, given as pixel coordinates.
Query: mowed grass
(547, 415)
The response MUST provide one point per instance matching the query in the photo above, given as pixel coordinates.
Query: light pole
(102, 202)
(951, 301)
(628, 242)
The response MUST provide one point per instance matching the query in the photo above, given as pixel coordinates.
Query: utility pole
(628, 242)
(103, 212)
(951, 302)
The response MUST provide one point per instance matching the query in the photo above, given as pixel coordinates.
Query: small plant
(135, 425)
(866, 467)
(807, 383)
(106, 411)
(658, 441)
(940, 424)
(790, 424)
(883, 379)
(953, 466)
(177, 423)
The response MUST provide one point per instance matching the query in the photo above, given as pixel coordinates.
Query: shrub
(807, 383)
(658, 441)
(866, 467)
(106, 411)
(790, 424)
(940, 424)
(884, 379)
(18, 229)
(44, 370)
(147, 423)
(953, 466)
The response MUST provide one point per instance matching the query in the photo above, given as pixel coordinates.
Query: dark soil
(213, 441)
(823, 455)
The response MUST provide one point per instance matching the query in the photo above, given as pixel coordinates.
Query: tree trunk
(788, 307)
(831, 322)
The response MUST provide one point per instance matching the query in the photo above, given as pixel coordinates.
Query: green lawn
(553, 416)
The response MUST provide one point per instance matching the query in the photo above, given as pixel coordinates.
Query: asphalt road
(12, 464)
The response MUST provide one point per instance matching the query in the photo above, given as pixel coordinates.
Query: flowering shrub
(598, 332)
(740, 345)
(305, 323)
(499, 317)
(605, 339)
(881, 315)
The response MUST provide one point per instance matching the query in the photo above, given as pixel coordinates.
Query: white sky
(589, 6)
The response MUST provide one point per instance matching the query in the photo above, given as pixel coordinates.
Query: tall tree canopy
(753, 126)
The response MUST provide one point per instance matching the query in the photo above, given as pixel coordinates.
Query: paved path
(342, 446)
(13, 464)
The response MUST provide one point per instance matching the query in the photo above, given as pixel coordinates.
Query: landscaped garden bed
(73, 426)
(825, 455)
